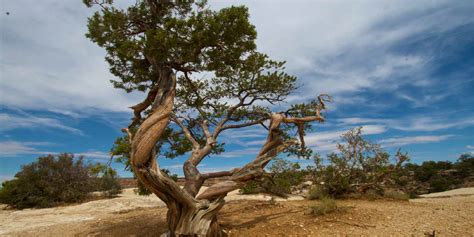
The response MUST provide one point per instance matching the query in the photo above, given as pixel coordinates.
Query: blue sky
(401, 69)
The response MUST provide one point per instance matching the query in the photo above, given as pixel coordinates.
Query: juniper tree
(202, 75)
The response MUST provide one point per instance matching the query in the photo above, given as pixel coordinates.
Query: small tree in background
(359, 166)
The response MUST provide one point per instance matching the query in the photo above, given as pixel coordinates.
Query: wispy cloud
(16, 148)
(422, 124)
(217, 169)
(94, 154)
(239, 153)
(245, 137)
(10, 122)
(401, 141)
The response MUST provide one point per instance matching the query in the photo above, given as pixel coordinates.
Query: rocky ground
(449, 214)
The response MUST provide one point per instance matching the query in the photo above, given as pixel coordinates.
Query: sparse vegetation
(436, 176)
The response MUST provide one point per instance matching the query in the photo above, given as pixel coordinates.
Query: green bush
(317, 192)
(48, 182)
(325, 206)
(109, 183)
(283, 175)
(465, 165)
(440, 184)
(250, 187)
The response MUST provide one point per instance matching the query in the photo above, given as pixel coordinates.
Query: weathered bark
(200, 220)
(186, 215)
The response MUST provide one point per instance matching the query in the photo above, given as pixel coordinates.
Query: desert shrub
(438, 176)
(465, 165)
(48, 182)
(360, 166)
(317, 192)
(251, 187)
(325, 206)
(109, 183)
(395, 195)
(282, 176)
(440, 184)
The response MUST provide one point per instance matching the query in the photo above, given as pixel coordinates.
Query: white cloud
(401, 141)
(13, 148)
(339, 53)
(244, 137)
(10, 122)
(47, 63)
(422, 124)
(217, 169)
(16, 148)
(94, 154)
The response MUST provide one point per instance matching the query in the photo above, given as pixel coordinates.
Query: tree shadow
(143, 225)
(226, 222)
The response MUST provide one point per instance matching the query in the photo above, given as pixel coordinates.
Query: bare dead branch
(186, 131)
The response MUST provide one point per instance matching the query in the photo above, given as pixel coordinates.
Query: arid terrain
(448, 214)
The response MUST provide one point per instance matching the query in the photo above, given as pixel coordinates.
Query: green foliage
(441, 175)
(251, 187)
(360, 166)
(107, 182)
(54, 180)
(440, 184)
(48, 182)
(176, 34)
(317, 192)
(325, 206)
(282, 176)
(465, 165)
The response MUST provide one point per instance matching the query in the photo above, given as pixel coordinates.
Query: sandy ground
(255, 215)
(30, 219)
(451, 193)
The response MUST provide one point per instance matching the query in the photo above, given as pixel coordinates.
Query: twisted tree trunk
(190, 214)
(186, 215)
